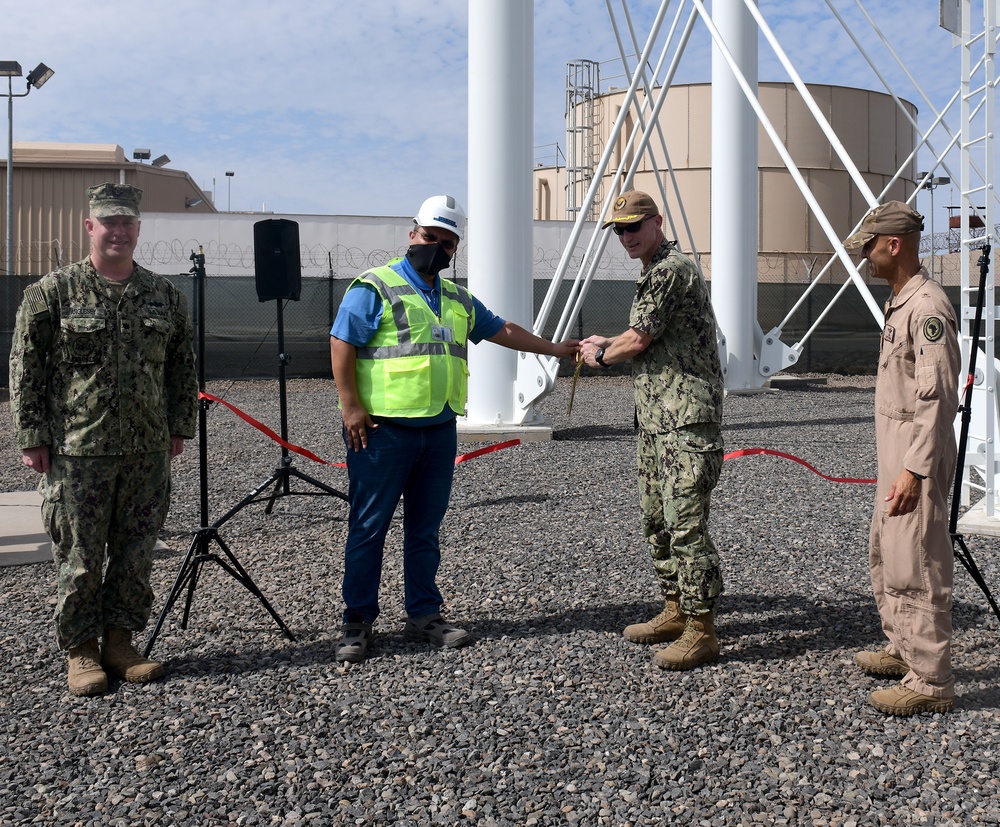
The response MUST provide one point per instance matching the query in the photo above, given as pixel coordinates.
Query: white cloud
(337, 107)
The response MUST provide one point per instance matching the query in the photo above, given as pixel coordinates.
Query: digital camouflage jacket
(678, 378)
(101, 370)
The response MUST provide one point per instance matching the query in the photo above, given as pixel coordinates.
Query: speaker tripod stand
(959, 548)
(200, 551)
(280, 480)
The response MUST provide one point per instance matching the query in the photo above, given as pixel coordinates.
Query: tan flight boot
(882, 663)
(121, 659)
(85, 674)
(696, 646)
(667, 625)
(900, 700)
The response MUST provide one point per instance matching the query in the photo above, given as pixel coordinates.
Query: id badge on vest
(442, 334)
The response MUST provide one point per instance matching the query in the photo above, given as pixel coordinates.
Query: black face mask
(428, 259)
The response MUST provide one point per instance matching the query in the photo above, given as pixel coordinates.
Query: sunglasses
(449, 245)
(634, 227)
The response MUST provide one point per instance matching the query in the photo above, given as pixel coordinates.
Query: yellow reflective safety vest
(416, 363)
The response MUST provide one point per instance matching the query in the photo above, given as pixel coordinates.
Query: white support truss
(976, 96)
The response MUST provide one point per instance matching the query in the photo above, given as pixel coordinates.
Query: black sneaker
(353, 644)
(438, 631)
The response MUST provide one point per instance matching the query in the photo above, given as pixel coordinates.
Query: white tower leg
(734, 196)
(501, 69)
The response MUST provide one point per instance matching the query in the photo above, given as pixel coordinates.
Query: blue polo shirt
(361, 311)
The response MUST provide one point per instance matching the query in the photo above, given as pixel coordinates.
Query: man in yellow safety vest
(399, 349)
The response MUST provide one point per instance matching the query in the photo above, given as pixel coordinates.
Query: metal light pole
(930, 184)
(229, 187)
(9, 271)
(36, 78)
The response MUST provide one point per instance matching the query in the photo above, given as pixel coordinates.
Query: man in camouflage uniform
(104, 393)
(671, 341)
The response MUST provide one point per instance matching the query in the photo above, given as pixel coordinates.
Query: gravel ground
(550, 717)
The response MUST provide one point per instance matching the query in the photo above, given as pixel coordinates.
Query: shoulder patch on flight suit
(933, 328)
(34, 300)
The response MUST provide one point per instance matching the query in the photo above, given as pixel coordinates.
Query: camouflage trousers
(103, 515)
(677, 472)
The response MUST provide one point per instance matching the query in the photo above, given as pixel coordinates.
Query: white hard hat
(442, 211)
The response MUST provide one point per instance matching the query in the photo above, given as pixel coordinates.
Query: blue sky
(335, 107)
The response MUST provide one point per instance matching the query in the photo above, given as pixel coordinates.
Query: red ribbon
(489, 449)
(746, 452)
(260, 426)
(499, 446)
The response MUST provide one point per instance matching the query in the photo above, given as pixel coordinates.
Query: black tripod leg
(276, 491)
(193, 584)
(238, 572)
(321, 485)
(247, 500)
(188, 571)
(188, 576)
(964, 556)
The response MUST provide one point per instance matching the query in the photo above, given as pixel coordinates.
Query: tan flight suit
(911, 556)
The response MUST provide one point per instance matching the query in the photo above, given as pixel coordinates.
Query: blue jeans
(416, 464)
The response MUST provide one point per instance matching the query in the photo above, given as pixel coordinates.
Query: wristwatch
(599, 357)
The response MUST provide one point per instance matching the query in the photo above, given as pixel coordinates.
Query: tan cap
(629, 207)
(107, 200)
(891, 218)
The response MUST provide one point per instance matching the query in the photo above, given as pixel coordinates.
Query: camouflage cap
(890, 218)
(629, 207)
(107, 200)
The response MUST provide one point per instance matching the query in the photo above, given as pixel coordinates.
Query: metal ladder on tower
(978, 201)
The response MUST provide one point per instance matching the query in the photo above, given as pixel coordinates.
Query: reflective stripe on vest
(404, 371)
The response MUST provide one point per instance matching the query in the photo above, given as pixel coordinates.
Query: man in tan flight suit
(916, 401)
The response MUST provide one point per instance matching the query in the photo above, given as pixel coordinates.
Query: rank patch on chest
(933, 329)
(889, 334)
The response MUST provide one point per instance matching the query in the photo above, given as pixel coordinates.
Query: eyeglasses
(634, 227)
(449, 245)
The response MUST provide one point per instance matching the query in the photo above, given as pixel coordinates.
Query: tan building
(50, 181)
(877, 136)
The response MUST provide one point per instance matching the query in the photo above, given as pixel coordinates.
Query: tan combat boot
(85, 674)
(121, 659)
(901, 700)
(667, 625)
(696, 646)
(881, 663)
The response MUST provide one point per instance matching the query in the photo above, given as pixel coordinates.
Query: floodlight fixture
(10, 69)
(38, 75)
(931, 182)
(192, 202)
(140, 154)
(161, 161)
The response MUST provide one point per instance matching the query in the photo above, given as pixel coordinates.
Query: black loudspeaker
(277, 266)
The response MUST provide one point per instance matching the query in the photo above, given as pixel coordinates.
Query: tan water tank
(876, 134)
